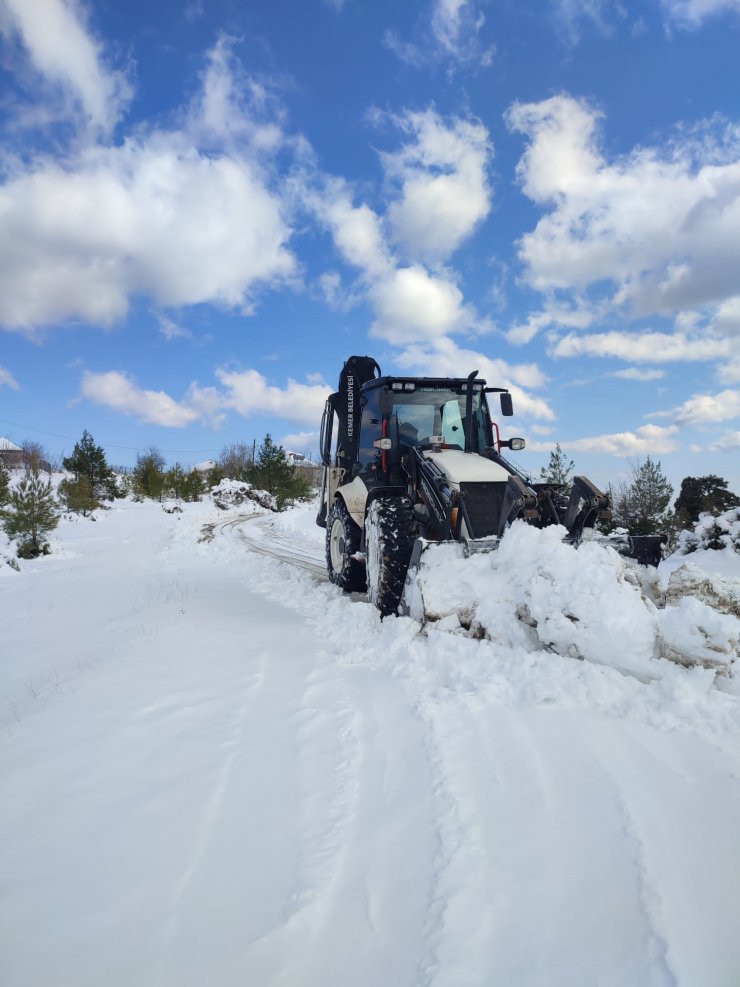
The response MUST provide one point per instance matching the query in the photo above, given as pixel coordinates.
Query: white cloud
(456, 24)
(645, 347)
(660, 227)
(410, 305)
(410, 301)
(444, 358)
(119, 392)
(729, 373)
(572, 14)
(357, 230)
(692, 13)
(451, 33)
(727, 443)
(556, 315)
(700, 408)
(646, 440)
(157, 217)
(444, 192)
(8, 380)
(301, 442)
(633, 373)
(62, 49)
(171, 329)
(248, 392)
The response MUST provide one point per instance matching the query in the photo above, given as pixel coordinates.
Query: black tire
(390, 532)
(343, 537)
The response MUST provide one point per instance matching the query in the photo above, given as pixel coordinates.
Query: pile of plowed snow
(538, 593)
(235, 493)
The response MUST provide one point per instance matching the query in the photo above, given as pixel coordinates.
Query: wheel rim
(336, 545)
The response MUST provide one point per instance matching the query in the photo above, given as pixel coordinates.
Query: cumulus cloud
(444, 192)
(634, 373)
(645, 347)
(444, 358)
(692, 13)
(701, 408)
(411, 304)
(119, 392)
(646, 440)
(729, 373)
(248, 392)
(62, 49)
(451, 32)
(660, 226)
(727, 443)
(8, 380)
(553, 315)
(301, 441)
(357, 230)
(411, 300)
(159, 217)
(171, 329)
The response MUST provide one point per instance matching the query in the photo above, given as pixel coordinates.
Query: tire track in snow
(214, 801)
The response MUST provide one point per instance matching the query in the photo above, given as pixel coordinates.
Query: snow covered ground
(218, 769)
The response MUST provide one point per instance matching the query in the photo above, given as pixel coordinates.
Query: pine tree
(703, 495)
(32, 514)
(174, 481)
(642, 506)
(148, 474)
(4, 483)
(559, 470)
(78, 495)
(88, 461)
(273, 472)
(193, 485)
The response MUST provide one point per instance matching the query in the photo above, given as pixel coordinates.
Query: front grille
(484, 503)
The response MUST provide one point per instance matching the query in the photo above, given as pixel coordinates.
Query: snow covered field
(217, 769)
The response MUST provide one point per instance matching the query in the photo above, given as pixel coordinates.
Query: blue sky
(205, 207)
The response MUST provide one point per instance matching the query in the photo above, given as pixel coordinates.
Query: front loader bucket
(432, 600)
(645, 549)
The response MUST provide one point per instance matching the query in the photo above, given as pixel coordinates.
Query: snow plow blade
(416, 601)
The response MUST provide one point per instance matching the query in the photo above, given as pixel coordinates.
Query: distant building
(10, 453)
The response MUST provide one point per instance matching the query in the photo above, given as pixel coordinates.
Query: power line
(68, 438)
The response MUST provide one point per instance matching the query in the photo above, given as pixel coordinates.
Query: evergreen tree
(273, 472)
(642, 506)
(559, 470)
(214, 476)
(32, 514)
(703, 495)
(78, 495)
(4, 483)
(88, 463)
(192, 485)
(148, 475)
(174, 481)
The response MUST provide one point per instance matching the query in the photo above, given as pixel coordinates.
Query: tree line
(30, 511)
(642, 504)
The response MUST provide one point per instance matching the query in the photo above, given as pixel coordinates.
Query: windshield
(424, 412)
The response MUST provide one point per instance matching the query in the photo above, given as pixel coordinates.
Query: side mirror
(507, 407)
